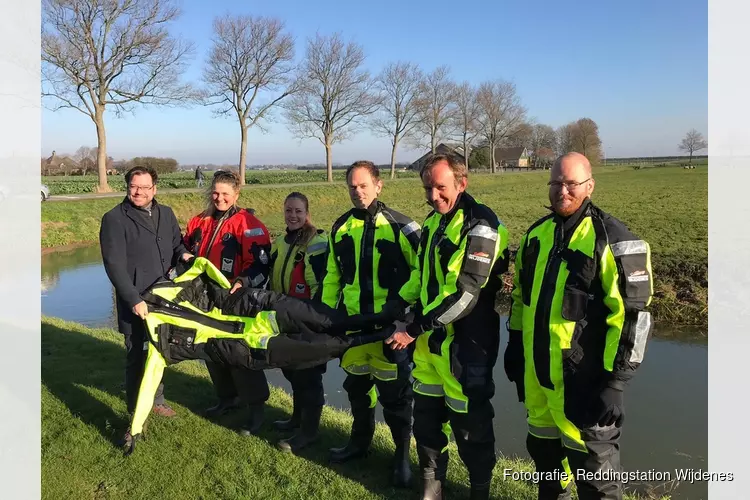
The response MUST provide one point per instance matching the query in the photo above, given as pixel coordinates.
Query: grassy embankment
(83, 417)
(666, 206)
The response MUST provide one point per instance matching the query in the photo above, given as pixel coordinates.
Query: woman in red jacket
(237, 243)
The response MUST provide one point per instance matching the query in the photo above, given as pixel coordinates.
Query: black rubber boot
(308, 432)
(480, 491)
(363, 428)
(402, 465)
(254, 422)
(224, 407)
(291, 423)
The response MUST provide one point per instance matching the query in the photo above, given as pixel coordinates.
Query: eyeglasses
(570, 185)
(140, 188)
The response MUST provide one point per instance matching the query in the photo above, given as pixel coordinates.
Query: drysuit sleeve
(152, 375)
(315, 262)
(482, 252)
(330, 291)
(256, 254)
(627, 282)
(409, 243)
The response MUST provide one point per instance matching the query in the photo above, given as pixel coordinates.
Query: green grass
(84, 416)
(667, 206)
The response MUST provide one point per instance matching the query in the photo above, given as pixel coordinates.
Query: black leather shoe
(224, 407)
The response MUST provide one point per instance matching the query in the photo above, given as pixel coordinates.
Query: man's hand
(237, 285)
(400, 339)
(141, 309)
(187, 256)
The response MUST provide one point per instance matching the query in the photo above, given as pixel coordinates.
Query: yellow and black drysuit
(462, 257)
(578, 331)
(372, 265)
(298, 261)
(195, 317)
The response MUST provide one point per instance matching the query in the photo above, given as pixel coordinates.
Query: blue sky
(638, 68)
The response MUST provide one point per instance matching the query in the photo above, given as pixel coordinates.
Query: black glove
(514, 361)
(609, 407)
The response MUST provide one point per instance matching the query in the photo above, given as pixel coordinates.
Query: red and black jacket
(236, 242)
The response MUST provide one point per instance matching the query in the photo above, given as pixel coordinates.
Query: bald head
(572, 161)
(570, 183)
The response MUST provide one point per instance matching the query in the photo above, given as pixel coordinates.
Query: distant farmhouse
(512, 157)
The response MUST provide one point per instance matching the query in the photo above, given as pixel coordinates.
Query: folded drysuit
(194, 316)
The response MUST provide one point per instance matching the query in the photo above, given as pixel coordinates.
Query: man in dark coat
(140, 241)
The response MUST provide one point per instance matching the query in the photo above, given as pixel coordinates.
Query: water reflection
(666, 405)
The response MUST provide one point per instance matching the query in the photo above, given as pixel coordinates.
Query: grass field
(668, 207)
(84, 416)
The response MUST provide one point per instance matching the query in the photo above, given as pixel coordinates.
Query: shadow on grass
(73, 361)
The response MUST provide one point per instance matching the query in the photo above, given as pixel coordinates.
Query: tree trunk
(393, 157)
(690, 162)
(466, 153)
(243, 152)
(101, 157)
(329, 161)
(492, 158)
(432, 141)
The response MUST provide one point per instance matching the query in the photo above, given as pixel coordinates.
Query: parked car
(45, 192)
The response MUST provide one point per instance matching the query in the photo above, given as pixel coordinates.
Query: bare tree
(86, 158)
(519, 136)
(564, 139)
(692, 142)
(249, 57)
(500, 114)
(584, 139)
(436, 110)
(335, 93)
(543, 143)
(116, 53)
(397, 85)
(467, 117)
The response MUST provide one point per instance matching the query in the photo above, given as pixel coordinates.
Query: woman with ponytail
(298, 260)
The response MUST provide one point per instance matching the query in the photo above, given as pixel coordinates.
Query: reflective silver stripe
(642, 327)
(456, 309)
(573, 445)
(628, 247)
(317, 247)
(544, 432)
(384, 374)
(428, 389)
(410, 228)
(358, 369)
(484, 232)
(257, 280)
(263, 341)
(457, 405)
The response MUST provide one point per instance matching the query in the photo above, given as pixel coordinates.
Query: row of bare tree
(115, 54)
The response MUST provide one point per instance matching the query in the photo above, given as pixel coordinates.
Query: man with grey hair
(577, 332)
